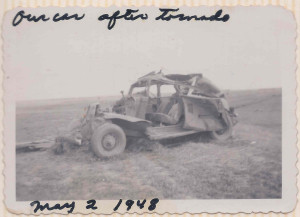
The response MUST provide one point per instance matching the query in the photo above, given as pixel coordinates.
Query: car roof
(195, 82)
(160, 78)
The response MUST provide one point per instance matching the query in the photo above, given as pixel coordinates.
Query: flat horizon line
(107, 96)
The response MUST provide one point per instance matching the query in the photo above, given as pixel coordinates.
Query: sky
(68, 59)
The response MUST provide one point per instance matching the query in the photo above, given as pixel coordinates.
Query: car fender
(132, 126)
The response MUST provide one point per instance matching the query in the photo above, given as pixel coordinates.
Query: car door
(137, 104)
(202, 113)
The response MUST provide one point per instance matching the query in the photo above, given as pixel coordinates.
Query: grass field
(244, 167)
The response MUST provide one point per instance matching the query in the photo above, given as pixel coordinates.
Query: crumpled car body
(204, 108)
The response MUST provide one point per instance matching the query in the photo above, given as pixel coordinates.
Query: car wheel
(108, 140)
(223, 134)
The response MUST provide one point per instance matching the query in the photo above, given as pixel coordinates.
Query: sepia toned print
(150, 116)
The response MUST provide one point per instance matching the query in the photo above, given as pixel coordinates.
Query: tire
(223, 134)
(108, 140)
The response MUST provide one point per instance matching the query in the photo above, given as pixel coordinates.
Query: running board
(167, 132)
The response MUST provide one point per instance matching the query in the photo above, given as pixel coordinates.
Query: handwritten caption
(167, 14)
(91, 205)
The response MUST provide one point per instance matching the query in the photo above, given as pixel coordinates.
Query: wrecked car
(159, 107)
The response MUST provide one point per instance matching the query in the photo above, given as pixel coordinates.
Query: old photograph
(196, 107)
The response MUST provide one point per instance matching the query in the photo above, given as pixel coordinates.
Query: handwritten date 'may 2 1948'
(91, 204)
(167, 14)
